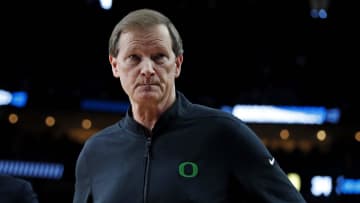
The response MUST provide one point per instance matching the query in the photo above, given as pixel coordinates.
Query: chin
(148, 95)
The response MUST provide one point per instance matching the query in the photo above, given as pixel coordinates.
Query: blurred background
(57, 89)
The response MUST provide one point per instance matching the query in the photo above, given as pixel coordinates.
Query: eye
(133, 59)
(159, 58)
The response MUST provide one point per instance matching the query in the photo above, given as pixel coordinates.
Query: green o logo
(194, 170)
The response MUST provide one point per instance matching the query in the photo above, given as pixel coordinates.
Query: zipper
(147, 157)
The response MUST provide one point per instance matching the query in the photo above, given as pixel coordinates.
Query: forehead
(157, 34)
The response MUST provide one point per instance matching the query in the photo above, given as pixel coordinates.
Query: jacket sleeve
(256, 171)
(82, 179)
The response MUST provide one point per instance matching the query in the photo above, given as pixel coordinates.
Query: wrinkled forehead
(149, 36)
(140, 30)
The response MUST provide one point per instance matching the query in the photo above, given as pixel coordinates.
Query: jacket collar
(169, 117)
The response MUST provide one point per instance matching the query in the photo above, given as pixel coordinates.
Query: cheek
(173, 73)
(127, 80)
(126, 86)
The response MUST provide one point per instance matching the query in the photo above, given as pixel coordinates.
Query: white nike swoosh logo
(272, 161)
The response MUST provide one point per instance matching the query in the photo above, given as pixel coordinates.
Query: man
(167, 149)
(16, 190)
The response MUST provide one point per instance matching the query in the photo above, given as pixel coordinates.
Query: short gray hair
(144, 18)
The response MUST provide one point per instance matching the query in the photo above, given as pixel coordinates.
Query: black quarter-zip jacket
(194, 154)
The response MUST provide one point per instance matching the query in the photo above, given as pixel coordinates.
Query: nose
(147, 68)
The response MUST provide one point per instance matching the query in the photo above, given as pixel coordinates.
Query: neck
(148, 114)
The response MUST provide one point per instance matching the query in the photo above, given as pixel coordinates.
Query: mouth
(147, 84)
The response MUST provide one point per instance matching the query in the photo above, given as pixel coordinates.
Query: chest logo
(188, 169)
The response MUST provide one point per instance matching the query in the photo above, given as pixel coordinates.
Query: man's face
(146, 64)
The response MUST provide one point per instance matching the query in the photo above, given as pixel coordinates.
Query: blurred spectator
(16, 190)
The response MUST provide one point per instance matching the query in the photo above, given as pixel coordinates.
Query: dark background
(249, 52)
(246, 52)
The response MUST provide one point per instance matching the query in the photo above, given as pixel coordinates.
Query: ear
(178, 62)
(114, 66)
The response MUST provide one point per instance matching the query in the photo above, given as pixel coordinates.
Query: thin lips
(145, 84)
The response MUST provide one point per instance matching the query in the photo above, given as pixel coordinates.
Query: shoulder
(98, 140)
(106, 133)
(222, 122)
(193, 111)
(211, 114)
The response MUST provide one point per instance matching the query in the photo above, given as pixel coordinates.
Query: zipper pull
(147, 147)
